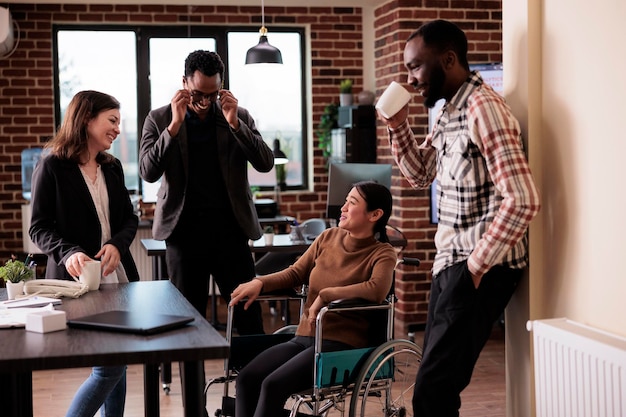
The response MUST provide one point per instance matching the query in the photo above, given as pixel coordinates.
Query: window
(143, 66)
(103, 61)
(273, 95)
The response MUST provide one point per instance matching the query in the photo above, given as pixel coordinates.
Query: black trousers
(459, 323)
(264, 385)
(222, 252)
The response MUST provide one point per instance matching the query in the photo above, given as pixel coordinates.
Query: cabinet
(355, 138)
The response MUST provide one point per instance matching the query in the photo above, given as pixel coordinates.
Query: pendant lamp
(263, 53)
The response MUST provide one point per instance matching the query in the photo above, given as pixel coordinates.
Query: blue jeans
(106, 388)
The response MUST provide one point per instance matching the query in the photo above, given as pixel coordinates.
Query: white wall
(583, 147)
(564, 66)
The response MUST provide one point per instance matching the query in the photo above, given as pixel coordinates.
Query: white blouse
(100, 197)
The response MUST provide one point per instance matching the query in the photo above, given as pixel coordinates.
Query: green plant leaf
(15, 271)
(345, 86)
(328, 122)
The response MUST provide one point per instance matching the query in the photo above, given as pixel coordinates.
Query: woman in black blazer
(81, 211)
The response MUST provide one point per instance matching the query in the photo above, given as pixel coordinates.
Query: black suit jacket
(160, 154)
(64, 218)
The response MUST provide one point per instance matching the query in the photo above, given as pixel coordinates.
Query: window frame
(143, 34)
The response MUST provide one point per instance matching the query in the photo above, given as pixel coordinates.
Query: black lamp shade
(279, 156)
(263, 53)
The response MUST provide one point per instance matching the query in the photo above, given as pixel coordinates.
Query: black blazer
(64, 218)
(160, 154)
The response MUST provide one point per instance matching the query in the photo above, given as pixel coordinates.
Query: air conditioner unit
(7, 39)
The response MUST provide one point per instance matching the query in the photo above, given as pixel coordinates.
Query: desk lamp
(280, 160)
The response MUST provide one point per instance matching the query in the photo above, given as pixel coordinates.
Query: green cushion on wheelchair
(342, 367)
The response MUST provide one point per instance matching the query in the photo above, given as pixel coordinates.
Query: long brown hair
(70, 141)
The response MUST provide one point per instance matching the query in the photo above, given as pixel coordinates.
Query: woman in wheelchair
(353, 260)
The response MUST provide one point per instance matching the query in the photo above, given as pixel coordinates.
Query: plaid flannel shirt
(486, 195)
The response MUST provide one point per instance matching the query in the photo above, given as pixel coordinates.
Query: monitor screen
(341, 177)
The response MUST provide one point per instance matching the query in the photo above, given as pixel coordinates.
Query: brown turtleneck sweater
(338, 266)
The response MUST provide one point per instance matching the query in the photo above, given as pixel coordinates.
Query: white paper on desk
(31, 301)
(16, 317)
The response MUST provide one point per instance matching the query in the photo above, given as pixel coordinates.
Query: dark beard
(435, 87)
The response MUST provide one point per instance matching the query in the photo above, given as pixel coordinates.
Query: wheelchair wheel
(384, 386)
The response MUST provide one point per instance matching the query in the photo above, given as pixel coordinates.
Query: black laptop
(139, 322)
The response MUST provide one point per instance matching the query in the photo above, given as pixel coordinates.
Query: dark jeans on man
(459, 323)
(216, 249)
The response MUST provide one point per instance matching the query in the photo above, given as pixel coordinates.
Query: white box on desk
(46, 321)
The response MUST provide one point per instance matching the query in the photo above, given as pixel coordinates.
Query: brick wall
(27, 100)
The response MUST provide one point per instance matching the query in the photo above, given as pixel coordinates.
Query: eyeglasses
(198, 97)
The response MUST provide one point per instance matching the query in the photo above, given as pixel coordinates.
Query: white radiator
(579, 371)
(142, 260)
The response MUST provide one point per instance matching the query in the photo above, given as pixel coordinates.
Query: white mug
(392, 100)
(91, 275)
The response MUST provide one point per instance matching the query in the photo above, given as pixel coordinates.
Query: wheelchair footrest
(228, 407)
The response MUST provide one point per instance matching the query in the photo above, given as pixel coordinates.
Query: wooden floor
(53, 390)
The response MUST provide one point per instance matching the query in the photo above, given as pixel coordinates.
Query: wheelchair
(373, 381)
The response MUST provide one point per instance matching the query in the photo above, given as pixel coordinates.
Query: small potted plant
(255, 190)
(345, 92)
(268, 234)
(14, 273)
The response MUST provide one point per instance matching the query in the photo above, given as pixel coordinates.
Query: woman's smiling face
(103, 129)
(354, 215)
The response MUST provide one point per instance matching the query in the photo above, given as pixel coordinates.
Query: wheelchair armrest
(352, 302)
(410, 261)
(284, 294)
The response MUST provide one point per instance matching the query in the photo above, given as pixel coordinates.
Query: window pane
(167, 68)
(273, 95)
(104, 61)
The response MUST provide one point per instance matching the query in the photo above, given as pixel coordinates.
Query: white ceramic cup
(392, 99)
(91, 275)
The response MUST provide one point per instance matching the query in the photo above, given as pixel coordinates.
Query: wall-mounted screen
(341, 177)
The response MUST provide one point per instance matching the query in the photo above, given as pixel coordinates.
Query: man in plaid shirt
(486, 198)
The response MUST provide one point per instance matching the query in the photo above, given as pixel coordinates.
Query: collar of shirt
(473, 82)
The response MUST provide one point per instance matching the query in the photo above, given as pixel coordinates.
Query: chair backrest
(312, 228)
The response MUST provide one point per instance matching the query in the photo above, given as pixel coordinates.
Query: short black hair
(207, 62)
(442, 35)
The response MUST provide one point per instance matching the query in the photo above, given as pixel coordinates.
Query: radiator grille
(579, 371)
(142, 260)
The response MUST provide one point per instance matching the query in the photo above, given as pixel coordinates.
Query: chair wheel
(166, 389)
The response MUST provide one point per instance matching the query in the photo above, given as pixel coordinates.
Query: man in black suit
(200, 144)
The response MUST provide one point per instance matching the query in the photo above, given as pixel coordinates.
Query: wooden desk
(282, 243)
(156, 249)
(24, 352)
(277, 221)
